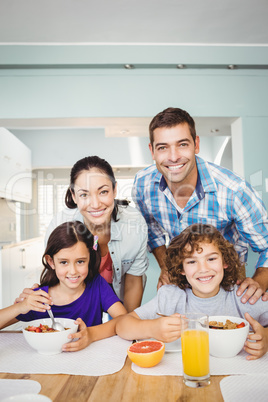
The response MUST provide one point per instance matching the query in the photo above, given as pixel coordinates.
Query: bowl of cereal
(41, 337)
(227, 335)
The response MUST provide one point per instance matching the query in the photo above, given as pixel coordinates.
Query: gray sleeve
(148, 311)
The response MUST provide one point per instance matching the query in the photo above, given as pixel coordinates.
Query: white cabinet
(15, 168)
(21, 266)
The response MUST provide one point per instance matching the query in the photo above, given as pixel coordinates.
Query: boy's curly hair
(189, 241)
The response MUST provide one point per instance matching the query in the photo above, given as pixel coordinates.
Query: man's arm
(252, 224)
(160, 255)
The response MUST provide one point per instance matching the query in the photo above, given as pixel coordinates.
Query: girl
(72, 288)
(203, 269)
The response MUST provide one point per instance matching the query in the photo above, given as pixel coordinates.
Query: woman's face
(94, 196)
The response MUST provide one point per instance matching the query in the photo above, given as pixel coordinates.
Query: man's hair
(191, 240)
(171, 117)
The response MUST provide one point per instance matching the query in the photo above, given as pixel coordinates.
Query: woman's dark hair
(64, 236)
(89, 163)
(171, 117)
(189, 241)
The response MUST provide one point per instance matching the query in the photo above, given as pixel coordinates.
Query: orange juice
(195, 352)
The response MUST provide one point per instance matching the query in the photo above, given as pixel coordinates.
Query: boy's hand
(82, 336)
(259, 347)
(167, 329)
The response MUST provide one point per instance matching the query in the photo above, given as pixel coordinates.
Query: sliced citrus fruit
(146, 353)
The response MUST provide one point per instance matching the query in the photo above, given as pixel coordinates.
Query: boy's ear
(50, 261)
(182, 272)
(225, 266)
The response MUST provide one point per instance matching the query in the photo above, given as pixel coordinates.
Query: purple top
(97, 297)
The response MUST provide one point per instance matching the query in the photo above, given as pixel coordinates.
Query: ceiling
(139, 21)
(210, 22)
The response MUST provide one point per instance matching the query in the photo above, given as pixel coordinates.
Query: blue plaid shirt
(221, 198)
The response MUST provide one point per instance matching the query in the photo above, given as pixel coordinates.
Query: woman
(120, 230)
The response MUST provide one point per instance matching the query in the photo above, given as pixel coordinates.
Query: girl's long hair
(89, 163)
(189, 241)
(64, 236)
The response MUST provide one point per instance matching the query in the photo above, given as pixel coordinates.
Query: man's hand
(257, 343)
(163, 278)
(25, 293)
(253, 291)
(83, 338)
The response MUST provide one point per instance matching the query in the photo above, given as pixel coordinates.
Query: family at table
(95, 257)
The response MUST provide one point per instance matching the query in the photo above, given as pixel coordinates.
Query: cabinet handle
(23, 258)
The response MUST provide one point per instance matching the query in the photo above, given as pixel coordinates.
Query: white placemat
(100, 358)
(171, 364)
(17, 387)
(245, 388)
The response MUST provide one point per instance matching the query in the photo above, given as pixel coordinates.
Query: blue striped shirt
(221, 198)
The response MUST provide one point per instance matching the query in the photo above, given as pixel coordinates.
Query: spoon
(55, 325)
(162, 315)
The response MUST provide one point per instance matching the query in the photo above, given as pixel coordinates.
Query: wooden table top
(123, 386)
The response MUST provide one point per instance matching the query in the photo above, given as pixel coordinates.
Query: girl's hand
(35, 301)
(259, 347)
(167, 329)
(83, 338)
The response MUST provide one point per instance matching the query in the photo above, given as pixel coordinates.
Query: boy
(203, 268)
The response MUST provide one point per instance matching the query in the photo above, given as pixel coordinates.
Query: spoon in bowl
(55, 325)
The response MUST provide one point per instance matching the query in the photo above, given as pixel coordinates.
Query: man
(182, 189)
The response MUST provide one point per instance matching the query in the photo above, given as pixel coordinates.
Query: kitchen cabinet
(21, 266)
(15, 168)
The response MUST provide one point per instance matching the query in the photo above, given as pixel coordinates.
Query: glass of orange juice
(195, 349)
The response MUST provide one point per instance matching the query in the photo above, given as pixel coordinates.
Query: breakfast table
(125, 386)
(103, 372)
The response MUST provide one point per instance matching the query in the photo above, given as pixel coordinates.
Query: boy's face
(204, 270)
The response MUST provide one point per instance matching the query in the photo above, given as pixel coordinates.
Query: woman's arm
(133, 292)
(166, 329)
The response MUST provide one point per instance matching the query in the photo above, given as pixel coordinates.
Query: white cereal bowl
(227, 342)
(49, 343)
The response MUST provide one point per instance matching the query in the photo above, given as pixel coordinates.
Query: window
(50, 201)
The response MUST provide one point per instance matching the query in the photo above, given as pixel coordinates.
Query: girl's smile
(71, 266)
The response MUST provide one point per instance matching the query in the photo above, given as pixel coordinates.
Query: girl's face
(205, 270)
(94, 196)
(71, 266)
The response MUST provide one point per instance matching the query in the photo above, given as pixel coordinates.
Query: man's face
(174, 152)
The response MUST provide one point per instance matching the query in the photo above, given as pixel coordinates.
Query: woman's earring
(95, 244)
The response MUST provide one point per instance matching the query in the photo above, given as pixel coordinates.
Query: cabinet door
(25, 267)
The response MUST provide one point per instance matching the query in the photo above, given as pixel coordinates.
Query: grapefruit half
(146, 353)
